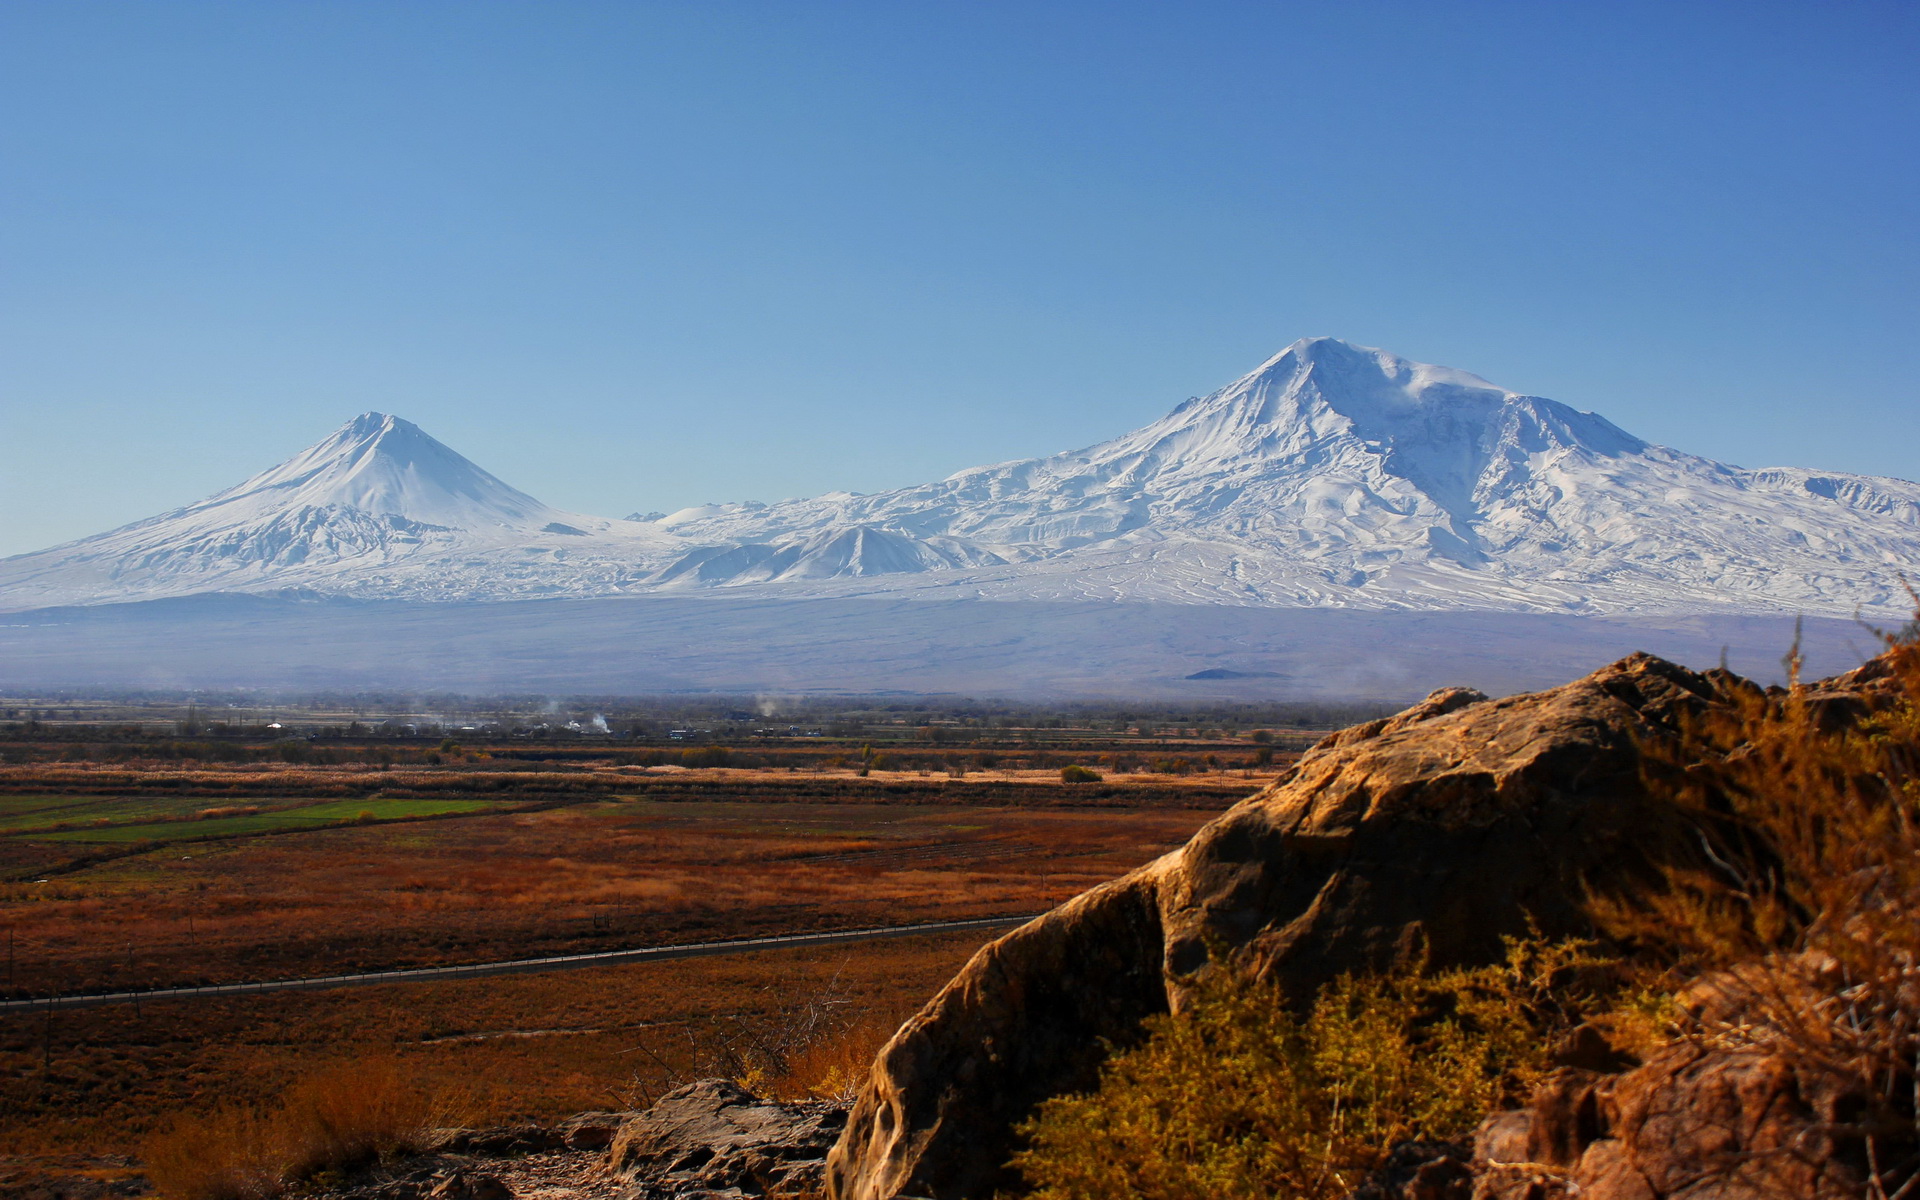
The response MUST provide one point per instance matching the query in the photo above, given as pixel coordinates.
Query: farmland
(123, 873)
(278, 895)
(118, 821)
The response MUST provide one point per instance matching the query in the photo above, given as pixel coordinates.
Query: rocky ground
(709, 1140)
(1690, 1116)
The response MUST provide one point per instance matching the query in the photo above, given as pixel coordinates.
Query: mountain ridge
(1333, 468)
(1331, 475)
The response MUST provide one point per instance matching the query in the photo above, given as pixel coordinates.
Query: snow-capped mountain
(1341, 475)
(1333, 475)
(377, 508)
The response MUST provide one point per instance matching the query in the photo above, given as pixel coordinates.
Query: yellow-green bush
(1237, 1096)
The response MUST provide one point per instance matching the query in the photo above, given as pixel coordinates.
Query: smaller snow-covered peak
(374, 429)
(387, 467)
(376, 500)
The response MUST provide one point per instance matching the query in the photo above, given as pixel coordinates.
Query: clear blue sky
(636, 256)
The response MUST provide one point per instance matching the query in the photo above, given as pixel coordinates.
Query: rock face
(1693, 1122)
(582, 1131)
(1443, 828)
(714, 1138)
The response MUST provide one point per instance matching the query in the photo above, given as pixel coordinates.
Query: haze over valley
(1413, 503)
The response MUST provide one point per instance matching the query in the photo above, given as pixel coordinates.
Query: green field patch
(312, 816)
(76, 811)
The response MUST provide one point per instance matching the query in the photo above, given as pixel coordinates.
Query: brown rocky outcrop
(1695, 1122)
(1439, 830)
(582, 1131)
(715, 1138)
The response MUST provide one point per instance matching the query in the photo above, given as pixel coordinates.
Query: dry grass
(833, 1068)
(679, 856)
(819, 1046)
(588, 876)
(229, 1154)
(343, 1116)
(533, 1047)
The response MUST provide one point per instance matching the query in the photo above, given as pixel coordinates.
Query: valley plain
(139, 874)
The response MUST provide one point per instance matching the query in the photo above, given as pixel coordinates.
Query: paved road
(518, 966)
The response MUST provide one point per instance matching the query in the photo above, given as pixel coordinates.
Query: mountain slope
(1338, 474)
(376, 508)
(1333, 475)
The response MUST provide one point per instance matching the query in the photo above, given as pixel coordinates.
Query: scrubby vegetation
(816, 1046)
(1237, 1096)
(1790, 903)
(341, 1117)
(1782, 922)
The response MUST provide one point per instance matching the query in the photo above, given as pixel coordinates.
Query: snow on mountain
(1334, 475)
(835, 552)
(1337, 474)
(378, 508)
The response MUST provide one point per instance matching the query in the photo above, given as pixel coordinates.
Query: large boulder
(1435, 832)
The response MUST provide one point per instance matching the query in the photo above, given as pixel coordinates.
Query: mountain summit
(385, 467)
(376, 508)
(1323, 435)
(1332, 475)
(1440, 425)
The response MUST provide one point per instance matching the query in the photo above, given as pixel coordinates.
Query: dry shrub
(1793, 888)
(344, 1116)
(1238, 1096)
(834, 1066)
(231, 1154)
(352, 1114)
